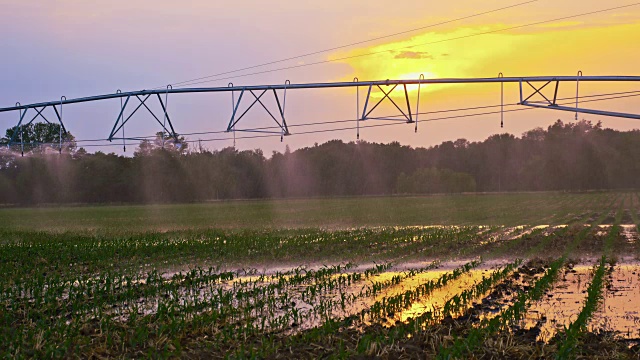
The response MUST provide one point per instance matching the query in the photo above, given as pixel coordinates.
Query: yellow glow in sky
(556, 49)
(78, 48)
(560, 48)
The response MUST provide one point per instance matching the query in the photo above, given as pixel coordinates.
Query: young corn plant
(568, 338)
(462, 347)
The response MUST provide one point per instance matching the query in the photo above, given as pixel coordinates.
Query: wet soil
(619, 313)
(560, 306)
(439, 297)
(615, 326)
(612, 329)
(626, 217)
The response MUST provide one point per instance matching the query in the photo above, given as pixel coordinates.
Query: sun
(416, 76)
(412, 89)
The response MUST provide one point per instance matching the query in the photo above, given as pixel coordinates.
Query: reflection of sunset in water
(619, 312)
(436, 300)
(620, 309)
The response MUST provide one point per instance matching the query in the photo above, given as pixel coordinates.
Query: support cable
(166, 106)
(124, 144)
(233, 105)
(637, 93)
(600, 97)
(62, 98)
(414, 46)
(355, 79)
(418, 102)
(577, 88)
(501, 101)
(21, 131)
(180, 83)
(284, 106)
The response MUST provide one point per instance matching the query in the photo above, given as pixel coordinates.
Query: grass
(482, 209)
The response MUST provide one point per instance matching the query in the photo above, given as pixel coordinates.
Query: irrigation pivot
(530, 89)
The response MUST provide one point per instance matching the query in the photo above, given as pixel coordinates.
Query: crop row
(390, 305)
(44, 254)
(568, 338)
(508, 316)
(452, 307)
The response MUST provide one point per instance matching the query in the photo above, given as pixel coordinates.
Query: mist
(576, 156)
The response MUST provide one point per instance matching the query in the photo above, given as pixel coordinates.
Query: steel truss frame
(550, 102)
(536, 83)
(408, 117)
(121, 121)
(282, 124)
(19, 128)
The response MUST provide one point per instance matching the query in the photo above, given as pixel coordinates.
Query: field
(535, 275)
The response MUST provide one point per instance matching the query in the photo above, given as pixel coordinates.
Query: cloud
(413, 55)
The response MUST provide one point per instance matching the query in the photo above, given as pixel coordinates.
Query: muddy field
(562, 287)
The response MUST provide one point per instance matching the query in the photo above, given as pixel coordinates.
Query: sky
(77, 48)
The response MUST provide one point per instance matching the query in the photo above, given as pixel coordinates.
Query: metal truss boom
(549, 102)
(530, 87)
(332, 85)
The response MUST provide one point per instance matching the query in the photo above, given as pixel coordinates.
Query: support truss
(549, 101)
(541, 92)
(39, 113)
(142, 99)
(282, 123)
(408, 115)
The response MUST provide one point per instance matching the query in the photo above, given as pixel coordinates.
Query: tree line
(565, 156)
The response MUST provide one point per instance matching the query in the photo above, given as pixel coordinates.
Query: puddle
(603, 230)
(528, 231)
(265, 298)
(619, 312)
(513, 232)
(561, 306)
(339, 301)
(437, 298)
(630, 233)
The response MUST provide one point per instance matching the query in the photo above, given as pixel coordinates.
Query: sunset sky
(80, 48)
